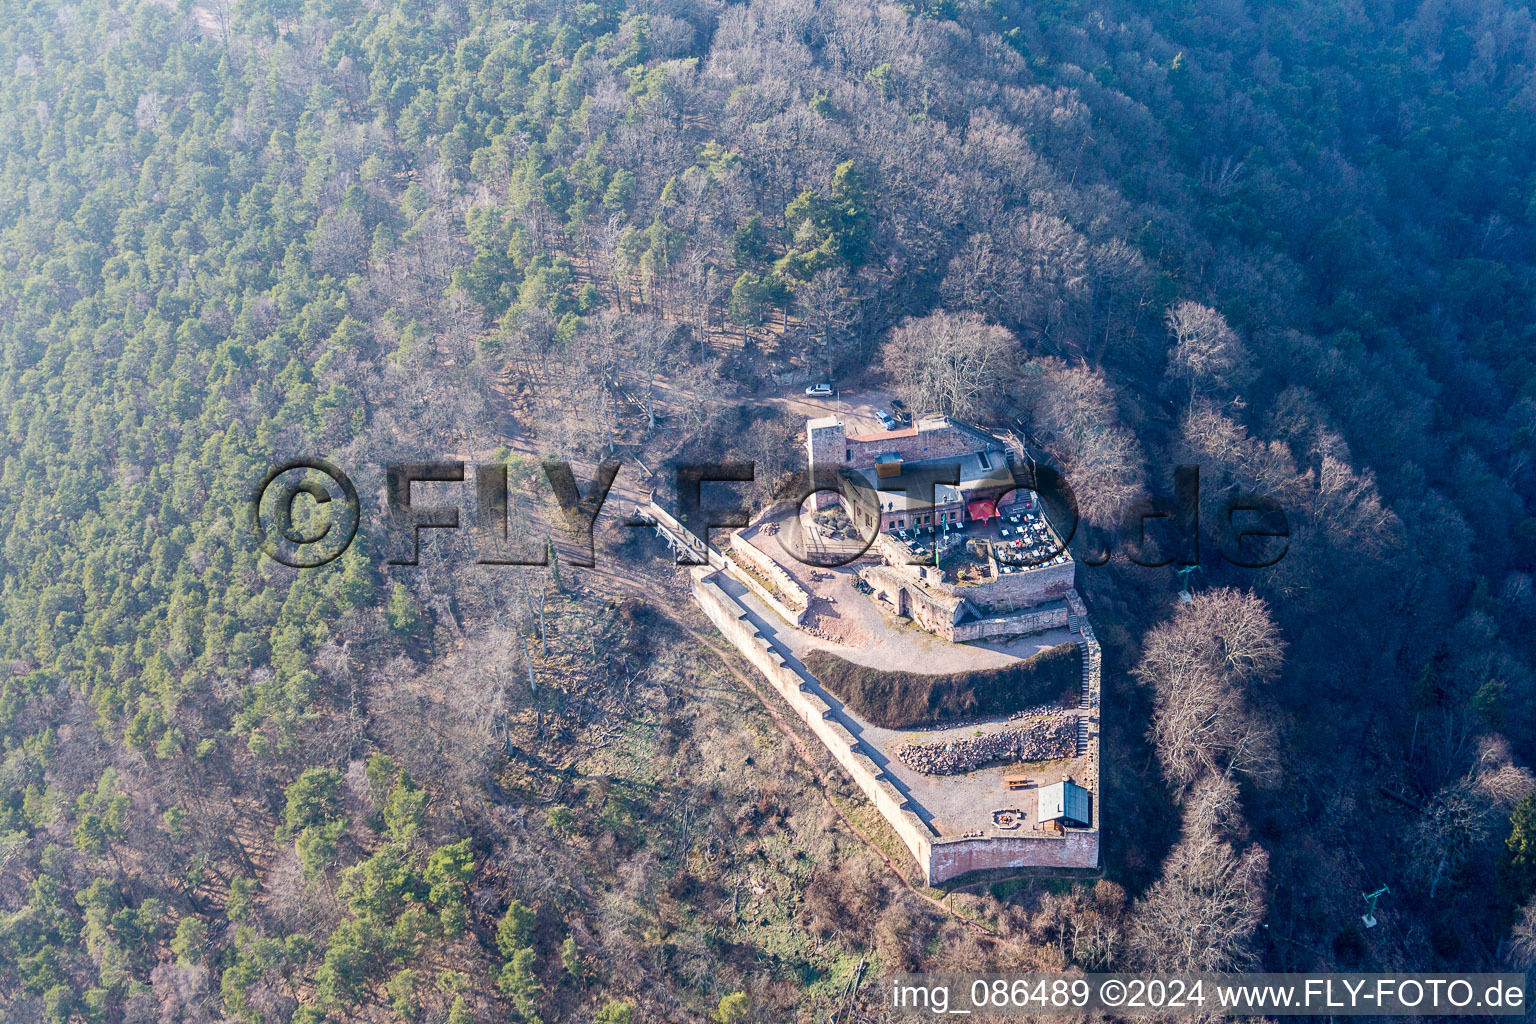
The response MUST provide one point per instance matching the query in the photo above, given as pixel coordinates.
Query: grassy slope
(899, 699)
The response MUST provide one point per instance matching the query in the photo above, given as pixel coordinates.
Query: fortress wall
(1023, 589)
(942, 443)
(765, 595)
(953, 857)
(1031, 586)
(797, 597)
(1093, 681)
(935, 611)
(1010, 625)
(732, 621)
(940, 857)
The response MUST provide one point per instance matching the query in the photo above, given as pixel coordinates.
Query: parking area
(855, 406)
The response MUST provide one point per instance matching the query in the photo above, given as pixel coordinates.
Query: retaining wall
(954, 856)
(765, 595)
(1034, 585)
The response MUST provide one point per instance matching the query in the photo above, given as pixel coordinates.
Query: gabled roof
(1066, 802)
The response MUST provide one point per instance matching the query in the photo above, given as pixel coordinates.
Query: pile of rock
(1044, 738)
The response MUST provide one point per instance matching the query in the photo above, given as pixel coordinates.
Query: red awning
(982, 510)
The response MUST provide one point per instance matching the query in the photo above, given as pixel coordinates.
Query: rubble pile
(1044, 738)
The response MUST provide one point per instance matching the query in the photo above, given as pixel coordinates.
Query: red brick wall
(943, 443)
(952, 858)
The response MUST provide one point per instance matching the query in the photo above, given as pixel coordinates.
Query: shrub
(896, 700)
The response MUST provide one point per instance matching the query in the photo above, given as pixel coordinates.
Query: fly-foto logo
(305, 513)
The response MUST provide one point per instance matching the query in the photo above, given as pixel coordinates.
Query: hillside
(1289, 243)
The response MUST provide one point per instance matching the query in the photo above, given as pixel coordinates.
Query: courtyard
(851, 625)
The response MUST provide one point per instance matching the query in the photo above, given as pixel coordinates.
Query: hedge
(897, 700)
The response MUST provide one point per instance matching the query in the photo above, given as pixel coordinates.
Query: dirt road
(854, 406)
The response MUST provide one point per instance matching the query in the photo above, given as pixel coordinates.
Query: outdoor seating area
(1024, 541)
(922, 540)
(1008, 818)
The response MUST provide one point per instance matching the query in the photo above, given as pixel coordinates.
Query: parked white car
(819, 390)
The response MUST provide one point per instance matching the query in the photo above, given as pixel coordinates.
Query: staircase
(1088, 702)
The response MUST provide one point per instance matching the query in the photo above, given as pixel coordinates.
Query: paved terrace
(950, 804)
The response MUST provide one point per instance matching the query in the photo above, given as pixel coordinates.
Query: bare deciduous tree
(1073, 413)
(1202, 913)
(1207, 353)
(954, 364)
(1465, 815)
(1203, 665)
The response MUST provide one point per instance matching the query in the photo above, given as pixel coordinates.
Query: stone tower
(826, 445)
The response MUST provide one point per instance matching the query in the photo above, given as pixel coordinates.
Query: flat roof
(927, 423)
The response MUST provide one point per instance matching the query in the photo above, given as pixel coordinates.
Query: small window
(848, 455)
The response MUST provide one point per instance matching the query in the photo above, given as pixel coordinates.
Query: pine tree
(1519, 865)
(402, 614)
(515, 930)
(356, 589)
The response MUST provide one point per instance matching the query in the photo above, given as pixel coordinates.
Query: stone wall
(791, 602)
(954, 856)
(765, 595)
(940, 441)
(732, 622)
(934, 608)
(789, 377)
(796, 595)
(1020, 624)
(1093, 681)
(1024, 589)
(935, 605)
(940, 857)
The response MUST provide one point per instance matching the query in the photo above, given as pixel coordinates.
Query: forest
(1290, 243)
